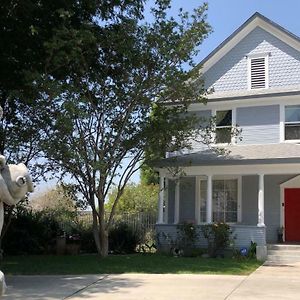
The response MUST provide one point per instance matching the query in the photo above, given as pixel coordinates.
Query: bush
(85, 233)
(123, 239)
(187, 236)
(218, 238)
(31, 233)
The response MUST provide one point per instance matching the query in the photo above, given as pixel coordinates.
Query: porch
(242, 234)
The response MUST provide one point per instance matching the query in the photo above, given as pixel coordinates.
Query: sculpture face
(15, 183)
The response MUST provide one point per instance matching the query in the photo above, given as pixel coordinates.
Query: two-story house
(255, 78)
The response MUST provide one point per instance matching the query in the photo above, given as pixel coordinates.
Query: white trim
(281, 122)
(240, 202)
(239, 194)
(233, 125)
(177, 205)
(257, 22)
(267, 169)
(291, 183)
(166, 214)
(265, 56)
(209, 204)
(197, 201)
(230, 104)
(161, 200)
(261, 201)
(282, 126)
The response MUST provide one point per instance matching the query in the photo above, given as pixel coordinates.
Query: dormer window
(258, 73)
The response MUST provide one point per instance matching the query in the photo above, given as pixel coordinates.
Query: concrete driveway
(268, 282)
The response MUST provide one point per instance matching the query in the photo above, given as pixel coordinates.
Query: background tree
(136, 198)
(130, 100)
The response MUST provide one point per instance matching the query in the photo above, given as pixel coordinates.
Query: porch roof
(237, 155)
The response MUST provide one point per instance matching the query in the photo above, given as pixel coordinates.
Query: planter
(73, 249)
(60, 245)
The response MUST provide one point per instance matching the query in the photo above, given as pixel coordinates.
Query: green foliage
(31, 233)
(91, 89)
(123, 239)
(187, 235)
(135, 198)
(217, 236)
(148, 175)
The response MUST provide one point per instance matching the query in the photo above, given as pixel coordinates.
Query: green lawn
(136, 263)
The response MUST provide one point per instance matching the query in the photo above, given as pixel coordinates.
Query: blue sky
(225, 16)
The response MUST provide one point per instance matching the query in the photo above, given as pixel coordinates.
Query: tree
(135, 198)
(131, 99)
(28, 30)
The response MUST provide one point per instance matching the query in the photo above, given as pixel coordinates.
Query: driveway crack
(227, 297)
(85, 287)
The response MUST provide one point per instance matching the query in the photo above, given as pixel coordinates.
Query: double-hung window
(223, 126)
(292, 122)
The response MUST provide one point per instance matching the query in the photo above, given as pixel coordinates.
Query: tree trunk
(96, 232)
(103, 242)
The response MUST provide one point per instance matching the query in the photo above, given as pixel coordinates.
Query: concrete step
(284, 252)
(284, 247)
(283, 259)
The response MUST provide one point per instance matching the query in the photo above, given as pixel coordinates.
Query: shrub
(187, 236)
(123, 239)
(218, 237)
(31, 233)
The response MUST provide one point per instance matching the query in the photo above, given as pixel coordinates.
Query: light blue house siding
(249, 206)
(230, 72)
(259, 124)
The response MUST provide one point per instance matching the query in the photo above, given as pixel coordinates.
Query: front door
(292, 215)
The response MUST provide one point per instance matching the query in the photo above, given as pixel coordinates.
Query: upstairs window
(223, 126)
(258, 72)
(292, 122)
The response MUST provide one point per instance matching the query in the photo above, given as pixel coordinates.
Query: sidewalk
(268, 282)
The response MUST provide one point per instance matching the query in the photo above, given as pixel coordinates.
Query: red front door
(292, 215)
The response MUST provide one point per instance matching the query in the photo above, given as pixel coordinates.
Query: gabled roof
(256, 20)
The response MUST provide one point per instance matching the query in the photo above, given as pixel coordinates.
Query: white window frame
(282, 124)
(233, 124)
(254, 56)
(220, 177)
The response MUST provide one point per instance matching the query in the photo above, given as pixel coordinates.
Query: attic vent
(258, 73)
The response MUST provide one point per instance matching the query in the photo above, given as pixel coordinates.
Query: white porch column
(161, 200)
(209, 200)
(261, 202)
(177, 195)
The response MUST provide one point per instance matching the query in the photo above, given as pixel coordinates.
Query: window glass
(292, 113)
(223, 126)
(292, 122)
(224, 118)
(225, 200)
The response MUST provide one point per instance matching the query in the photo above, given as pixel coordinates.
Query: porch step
(284, 247)
(283, 254)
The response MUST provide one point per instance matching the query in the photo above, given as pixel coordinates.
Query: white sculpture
(15, 183)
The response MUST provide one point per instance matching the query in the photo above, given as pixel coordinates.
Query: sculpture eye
(21, 181)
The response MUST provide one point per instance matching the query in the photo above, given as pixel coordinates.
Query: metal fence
(142, 222)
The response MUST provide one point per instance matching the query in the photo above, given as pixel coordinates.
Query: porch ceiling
(284, 153)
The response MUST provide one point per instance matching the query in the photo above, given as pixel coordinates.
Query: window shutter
(258, 73)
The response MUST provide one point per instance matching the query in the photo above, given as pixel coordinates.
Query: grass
(116, 264)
